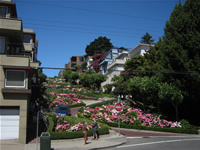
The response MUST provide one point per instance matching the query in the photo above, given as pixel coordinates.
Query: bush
(186, 127)
(185, 124)
(71, 135)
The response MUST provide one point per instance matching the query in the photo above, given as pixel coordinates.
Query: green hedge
(165, 129)
(77, 105)
(71, 135)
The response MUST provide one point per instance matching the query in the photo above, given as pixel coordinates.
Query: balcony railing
(10, 24)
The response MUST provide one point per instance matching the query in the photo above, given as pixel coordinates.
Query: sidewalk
(104, 141)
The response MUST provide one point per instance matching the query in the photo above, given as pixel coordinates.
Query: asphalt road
(161, 143)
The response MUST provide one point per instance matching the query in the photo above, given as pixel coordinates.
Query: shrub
(76, 134)
(185, 124)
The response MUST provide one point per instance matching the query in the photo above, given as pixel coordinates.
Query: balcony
(11, 28)
(28, 47)
(16, 60)
(34, 64)
(115, 62)
(10, 24)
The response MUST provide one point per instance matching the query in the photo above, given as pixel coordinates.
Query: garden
(132, 116)
(68, 127)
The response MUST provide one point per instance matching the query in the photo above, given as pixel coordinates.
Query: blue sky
(65, 27)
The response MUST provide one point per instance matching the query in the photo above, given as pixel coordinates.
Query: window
(81, 59)
(27, 38)
(2, 45)
(3, 11)
(15, 78)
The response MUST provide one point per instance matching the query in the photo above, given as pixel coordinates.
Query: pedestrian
(85, 129)
(95, 126)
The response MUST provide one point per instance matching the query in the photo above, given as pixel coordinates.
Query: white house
(117, 64)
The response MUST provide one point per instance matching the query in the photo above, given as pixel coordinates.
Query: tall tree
(102, 44)
(181, 53)
(147, 39)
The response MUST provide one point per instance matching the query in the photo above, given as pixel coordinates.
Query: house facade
(74, 60)
(18, 66)
(109, 57)
(117, 65)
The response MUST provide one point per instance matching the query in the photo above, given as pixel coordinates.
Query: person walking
(94, 126)
(85, 129)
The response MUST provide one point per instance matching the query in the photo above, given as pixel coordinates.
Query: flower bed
(133, 118)
(71, 127)
(65, 99)
(130, 115)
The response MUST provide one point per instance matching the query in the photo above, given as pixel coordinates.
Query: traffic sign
(118, 107)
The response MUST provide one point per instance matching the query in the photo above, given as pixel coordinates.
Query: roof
(141, 44)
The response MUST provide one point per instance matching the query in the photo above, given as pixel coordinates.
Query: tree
(180, 54)
(81, 67)
(171, 93)
(121, 89)
(140, 86)
(97, 58)
(74, 76)
(99, 78)
(134, 67)
(152, 60)
(66, 75)
(42, 76)
(102, 44)
(147, 39)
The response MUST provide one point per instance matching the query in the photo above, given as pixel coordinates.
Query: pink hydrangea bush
(64, 126)
(64, 99)
(130, 115)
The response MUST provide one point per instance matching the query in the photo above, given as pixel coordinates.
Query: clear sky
(65, 27)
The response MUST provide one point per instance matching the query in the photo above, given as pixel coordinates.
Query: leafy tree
(121, 89)
(42, 76)
(87, 80)
(92, 80)
(66, 74)
(99, 78)
(153, 85)
(147, 39)
(171, 93)
(141, 86)
(102, 44)
(134, 67)
(81, 67)
(74, 76)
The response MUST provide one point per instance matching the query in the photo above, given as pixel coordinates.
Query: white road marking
(157, 142)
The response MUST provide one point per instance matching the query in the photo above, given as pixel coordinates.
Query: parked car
(63, 110)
